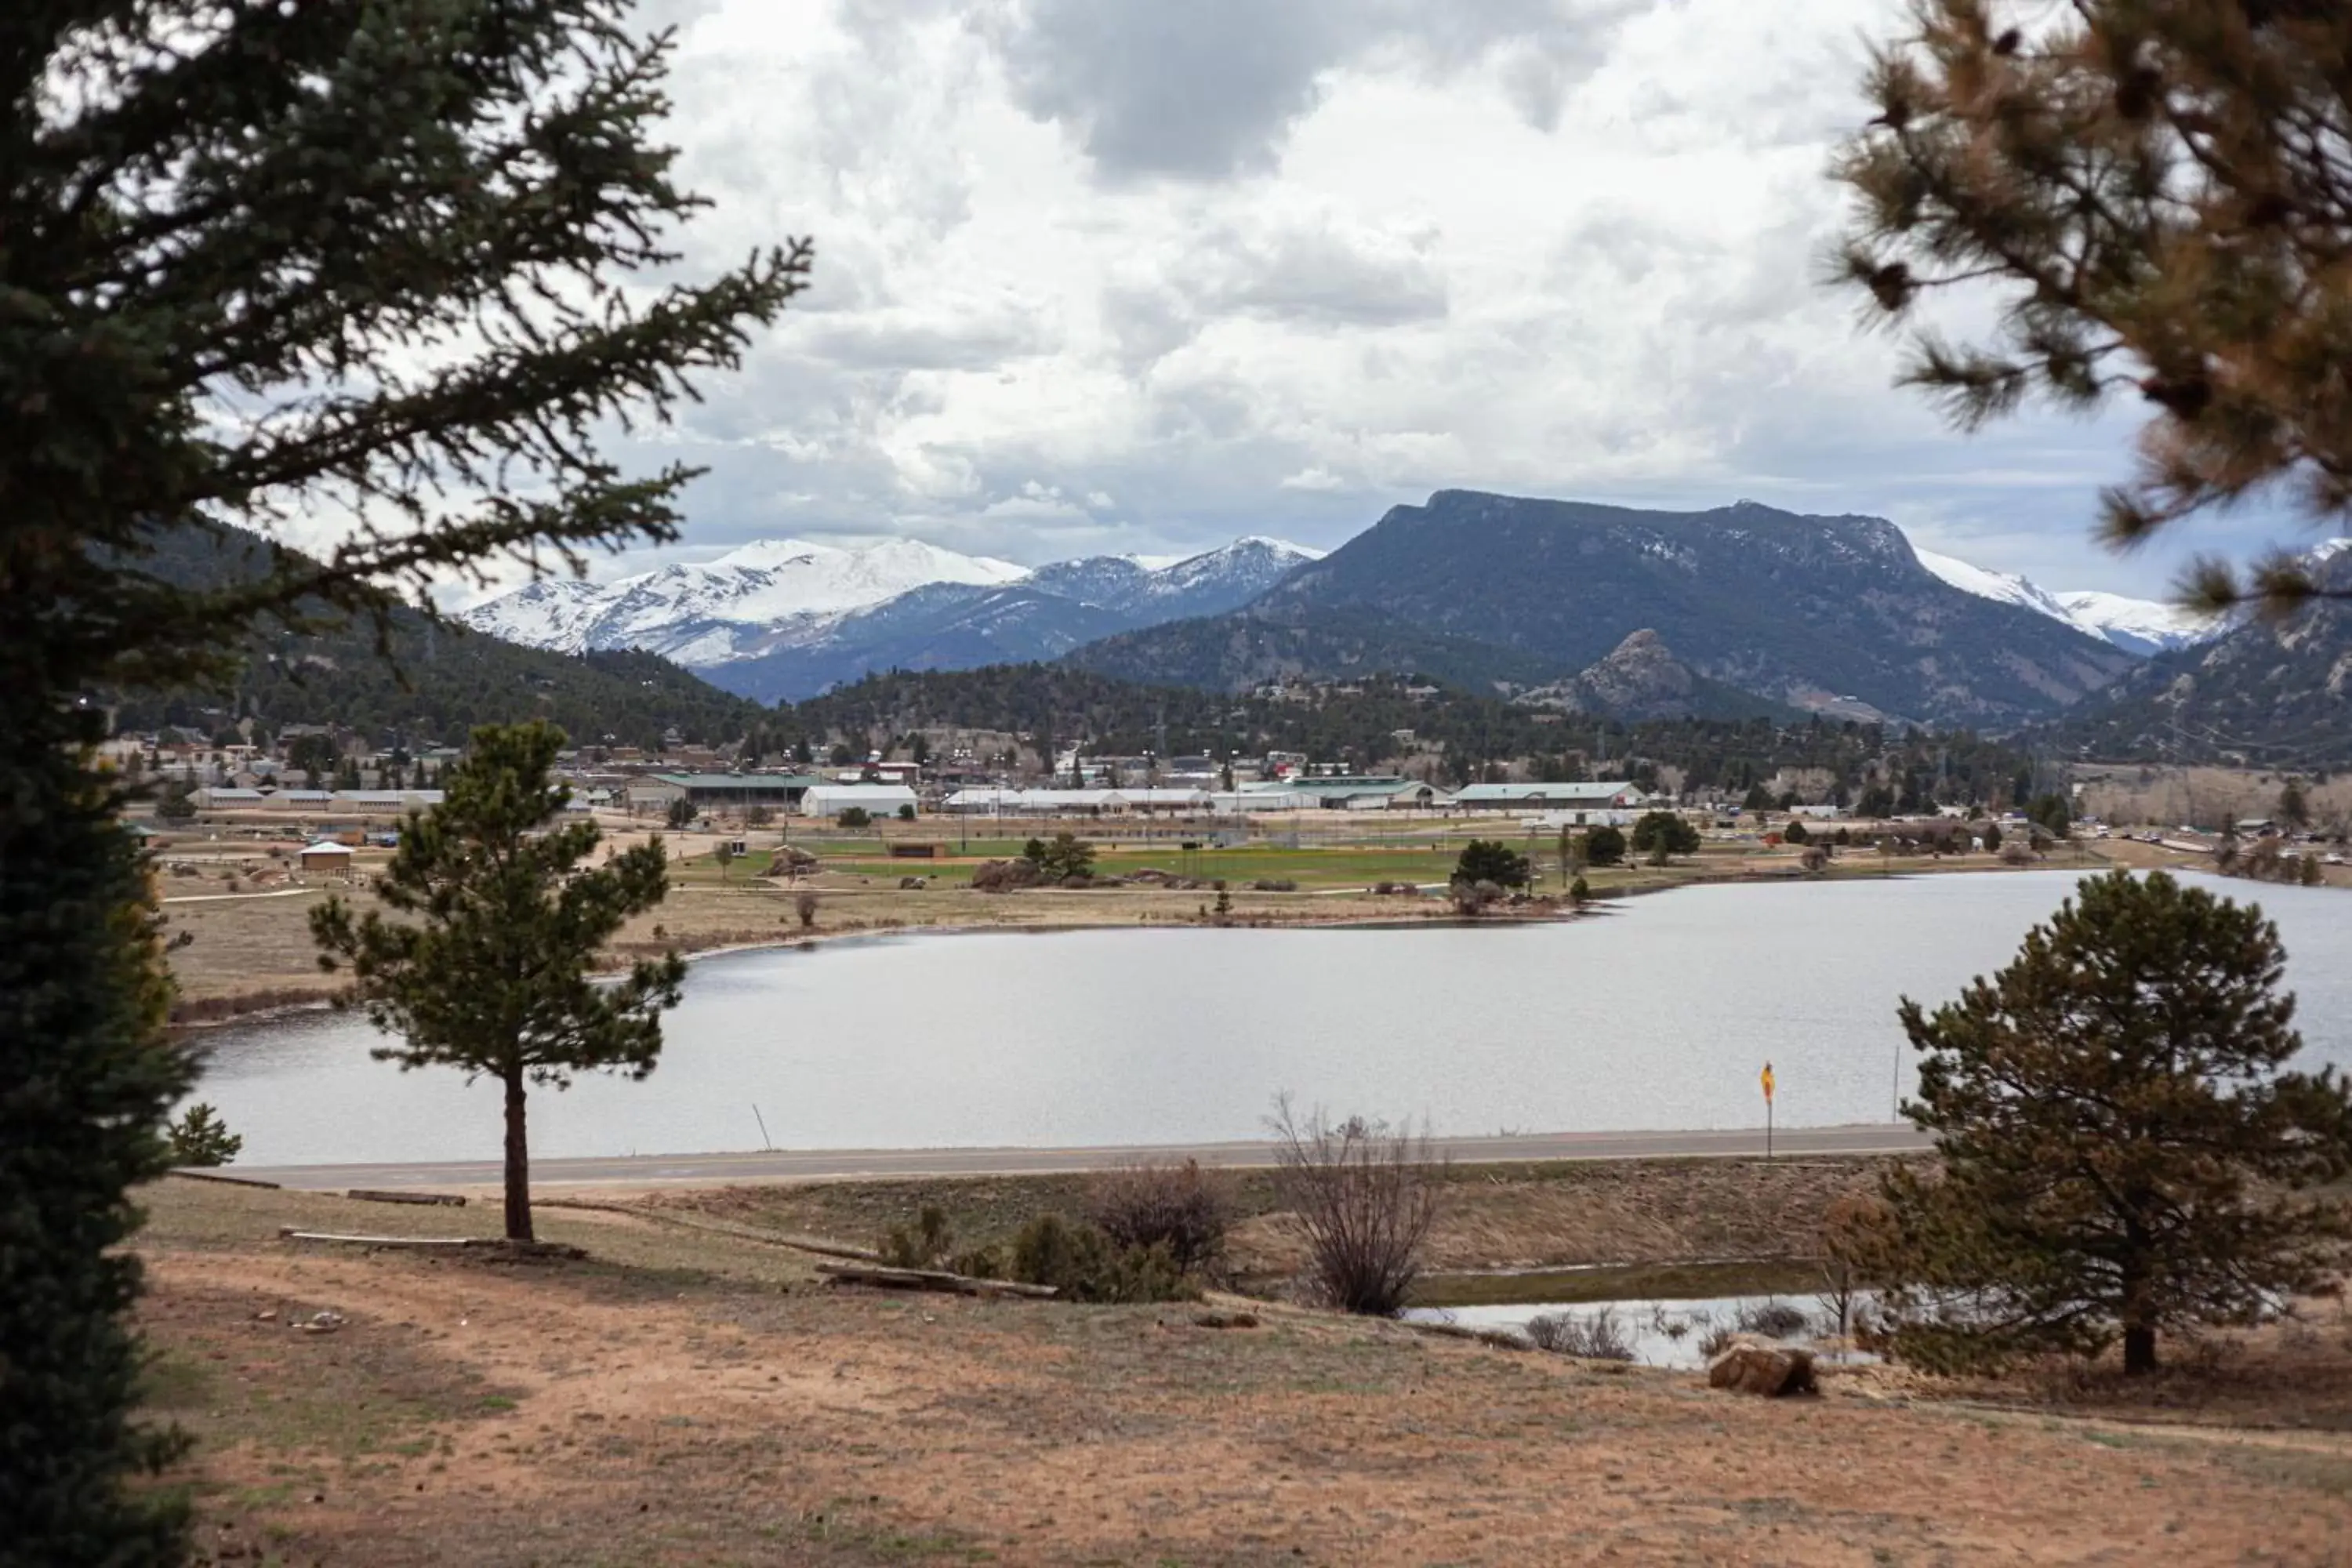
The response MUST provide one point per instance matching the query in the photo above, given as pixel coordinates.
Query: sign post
(1766, 1079)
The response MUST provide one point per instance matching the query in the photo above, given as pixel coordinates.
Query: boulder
(1773, 1371)
(910, 884)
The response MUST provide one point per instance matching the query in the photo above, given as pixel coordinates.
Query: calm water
(1655, 1015)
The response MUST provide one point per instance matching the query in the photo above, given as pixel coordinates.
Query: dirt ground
(689, 1398)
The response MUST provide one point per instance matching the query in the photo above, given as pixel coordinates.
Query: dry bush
(1596, 1338)
(1365, 1194)
(1773, 1320)
(804, 906)
(2015, 854)
(1004, 875)
(1177, 1207)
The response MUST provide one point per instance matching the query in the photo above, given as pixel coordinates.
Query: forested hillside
(439, 681)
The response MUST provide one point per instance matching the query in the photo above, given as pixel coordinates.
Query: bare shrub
(1596, 1338)
(1004, 875)
(804, 906)
(2016, 854)
(1716, 1340)
(1175, 1206)
(1365, 1193)
(922, 1248)
(1773, 1320)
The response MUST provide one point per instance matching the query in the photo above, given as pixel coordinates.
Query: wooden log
(819, 1245)
(887, 1279)
(227, 1180)
(416, 1243)
(438, 1243)
(369, 1196)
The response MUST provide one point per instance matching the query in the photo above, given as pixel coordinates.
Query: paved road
(823, 1165)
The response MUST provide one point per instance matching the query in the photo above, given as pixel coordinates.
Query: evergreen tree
(2294, 808)
(1492, 860)
(2161, 187)
(2119, 1138)
(258, 259)
(489, 969)
(1660, 833)
(1604, 846)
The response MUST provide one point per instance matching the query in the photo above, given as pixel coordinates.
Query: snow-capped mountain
(785, 618)
(2138, 626)
(2142, 626)
(712, 611)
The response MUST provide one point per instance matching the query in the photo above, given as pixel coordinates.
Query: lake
(1656, 1014)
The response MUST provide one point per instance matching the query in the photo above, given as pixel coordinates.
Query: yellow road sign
(1767, 1081)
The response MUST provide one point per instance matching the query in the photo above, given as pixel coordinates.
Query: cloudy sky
(1125, 275)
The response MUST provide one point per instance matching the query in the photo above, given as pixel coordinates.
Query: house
(225, 799)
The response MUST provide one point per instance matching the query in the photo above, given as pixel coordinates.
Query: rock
(1773, 1371)
(910, 884)
(321, 1323)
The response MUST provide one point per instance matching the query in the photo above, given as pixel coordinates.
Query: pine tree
(2159, 191)
(489, 970)
(262, 258)
(2120, 1140)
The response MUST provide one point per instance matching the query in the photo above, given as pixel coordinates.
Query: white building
(874, 800)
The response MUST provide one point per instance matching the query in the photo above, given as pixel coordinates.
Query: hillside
(1642, 678)
(440, 682)
(2264, 694)
(1263, 644)
(1829, 613)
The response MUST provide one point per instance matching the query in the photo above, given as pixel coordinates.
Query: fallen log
(414, 1243)
(883, 1277)
(369, 1196)
(227, 1180)
(437, 1243)
(816, 1244)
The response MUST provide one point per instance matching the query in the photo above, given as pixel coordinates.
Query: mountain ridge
(1830, 615)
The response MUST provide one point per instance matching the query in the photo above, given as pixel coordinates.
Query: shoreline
(1555, 913)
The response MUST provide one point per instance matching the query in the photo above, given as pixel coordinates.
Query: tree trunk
(518, 1162)
(2140, 1331)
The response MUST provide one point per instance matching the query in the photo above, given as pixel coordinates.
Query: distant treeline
(1357, 725)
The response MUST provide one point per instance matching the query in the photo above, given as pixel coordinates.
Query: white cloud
(1270, 268)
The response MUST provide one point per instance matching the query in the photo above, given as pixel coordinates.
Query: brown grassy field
(696, 1399)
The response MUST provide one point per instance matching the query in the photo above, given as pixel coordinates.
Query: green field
(1313, 868)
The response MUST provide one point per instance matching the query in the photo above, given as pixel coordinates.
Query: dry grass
(1561, 1213)
(681, 1410)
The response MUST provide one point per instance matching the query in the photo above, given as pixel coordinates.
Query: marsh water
(1656, 1014)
